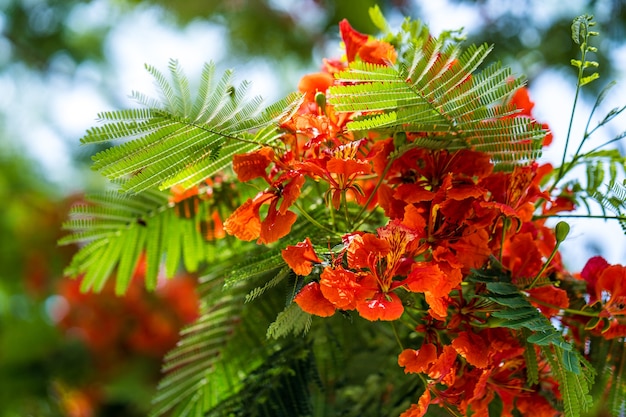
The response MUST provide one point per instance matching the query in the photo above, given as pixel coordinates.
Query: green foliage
(435, 89)
(115, 229)
(177, 140)
(232, 361)
(581, 32)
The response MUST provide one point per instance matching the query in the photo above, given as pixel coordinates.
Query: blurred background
(63, 353)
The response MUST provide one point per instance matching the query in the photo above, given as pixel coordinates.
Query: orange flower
(344, 288)
(550, 295)
(381, 307)
(419, 409)
(311, 84)
(276, 224)
(301, 257)
(522, 257)
(418, 361)
(369, 50)
(352, 39)
(245, 222)
(522, 102)
(473, 348)
(311, 300)
(253, 164)
(444, 368)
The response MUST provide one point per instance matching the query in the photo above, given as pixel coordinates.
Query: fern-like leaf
(437, 92)
(177, 140)
(116, 229)
(292, 320)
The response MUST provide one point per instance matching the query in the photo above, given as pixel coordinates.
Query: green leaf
(116, 229)
(437, 91)
(377, 17)
(586, 80)
(291, 320)
(177, 140)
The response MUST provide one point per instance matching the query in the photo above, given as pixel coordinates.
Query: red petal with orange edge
(419, 409)
(244, 223)
(473, 348)
(385, 307)
(348, 167)
(252, 165)
(378, 52)
(339, 286)
(300, 257)
(291, 192)
(613, 280)
(365, 250)
(438, 305)
(444, 369)
(311, 300)
(353, 39)
(417, 361)
(276, 225)
(549, 295)
(311, 84)
(424, 276)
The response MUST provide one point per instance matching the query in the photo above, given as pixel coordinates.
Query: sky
(65, 106)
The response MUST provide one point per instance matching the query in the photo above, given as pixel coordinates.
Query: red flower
(418, 361)
(344, 288)
(473, 348)
(369, 50)
(419, 409)
(311, 300)
(312, 84)
(549, 299)
(301, 257)
(381, 307)
(245, 222)
(444, 369)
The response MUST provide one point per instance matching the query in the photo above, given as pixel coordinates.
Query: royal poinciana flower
(411, 227)
(607, 287)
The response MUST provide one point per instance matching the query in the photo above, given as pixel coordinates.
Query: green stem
(395, 333)
(545, 266)
(562, 170)
(346, 214)
(371, 197)
(311, 219)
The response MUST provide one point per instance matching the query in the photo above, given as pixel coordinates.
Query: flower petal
(418, 361)
(473, 348)
(244, 223)
(385, 307)
(300, 257)
(311, 300)
(352, 39)
(419, 409)
(252, 165)
(311, 84)
(276, 225)
(549, 295)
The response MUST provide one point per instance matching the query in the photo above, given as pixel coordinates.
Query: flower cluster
(117, 330)
(412, 229)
